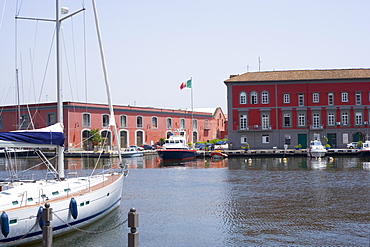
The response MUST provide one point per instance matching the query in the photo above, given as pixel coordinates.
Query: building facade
(136, 125)
(278, 108)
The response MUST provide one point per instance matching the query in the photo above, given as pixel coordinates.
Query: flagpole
(192, 113)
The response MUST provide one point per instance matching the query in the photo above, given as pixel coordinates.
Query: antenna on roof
(259, 64)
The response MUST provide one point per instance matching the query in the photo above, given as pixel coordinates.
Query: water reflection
(153, 162)
(295, 201)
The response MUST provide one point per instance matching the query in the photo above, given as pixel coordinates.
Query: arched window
(195, 136)
(86, 120)
(139, 138)
(243, 98)
(154, 122)
(265, 97)
(105, 120)
(182, 123)
(139, 122)
(123, 121)
(86, 141)
(123, 138)
(254, 98)
(169, 123)
(195, 124)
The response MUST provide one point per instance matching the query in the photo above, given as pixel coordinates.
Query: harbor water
(238, 202)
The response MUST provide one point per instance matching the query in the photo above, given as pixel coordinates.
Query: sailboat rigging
(77, 201)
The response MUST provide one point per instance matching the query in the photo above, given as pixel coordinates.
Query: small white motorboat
(365, 149)
(131, 152)
(316, 149)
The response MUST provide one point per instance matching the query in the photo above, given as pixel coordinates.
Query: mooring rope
(74, 227)
(91, 232)
(19, 239)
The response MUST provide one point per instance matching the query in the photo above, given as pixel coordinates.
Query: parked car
(148, 147)
(352, 145)
(136, 147)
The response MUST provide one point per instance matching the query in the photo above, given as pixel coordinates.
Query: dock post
(133, 223)
(47, 230)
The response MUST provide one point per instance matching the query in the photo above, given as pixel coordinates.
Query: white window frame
(105, 120)
(287, 120)
(243, 98)
(315, 97)
(331, 119)
(358, 98)
(301, 99)
(264, 97)
(243, 139)
(168, 123)
(243, 122)
(123, 121)
(155, 122)
(344, 118)
(182, 123)
(254, 98)
(265, 139)
(265, 121)
(139, 121)
(86, 123)
(344, 96)
(330, 98)
(301, 119)
(358, 118)
(195, 124)
(286, 98)
(316, 120)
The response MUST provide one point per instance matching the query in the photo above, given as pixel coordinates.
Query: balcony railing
(256, 128)
(316, 127)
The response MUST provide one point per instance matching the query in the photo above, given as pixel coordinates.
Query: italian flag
(186, 84)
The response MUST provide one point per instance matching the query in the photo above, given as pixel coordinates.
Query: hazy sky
(152, 46)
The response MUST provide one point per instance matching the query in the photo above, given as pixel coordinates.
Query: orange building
(136, 125)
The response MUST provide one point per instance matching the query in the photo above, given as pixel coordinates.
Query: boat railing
(41, 196)
(20, 205)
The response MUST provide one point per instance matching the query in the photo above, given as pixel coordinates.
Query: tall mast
(60, 150)
(112, 121)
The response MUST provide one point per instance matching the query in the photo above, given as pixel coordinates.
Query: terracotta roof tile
(301, 75)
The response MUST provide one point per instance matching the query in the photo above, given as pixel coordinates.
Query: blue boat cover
(34, 137)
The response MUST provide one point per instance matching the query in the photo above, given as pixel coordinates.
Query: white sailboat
(77, 201)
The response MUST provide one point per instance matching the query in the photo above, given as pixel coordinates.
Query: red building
(136, 125)
(277, 108)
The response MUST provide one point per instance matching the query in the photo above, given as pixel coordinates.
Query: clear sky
(152, 46)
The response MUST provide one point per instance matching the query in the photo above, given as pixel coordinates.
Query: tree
(95, 137)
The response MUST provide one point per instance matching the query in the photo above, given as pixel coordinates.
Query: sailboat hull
(93, 203)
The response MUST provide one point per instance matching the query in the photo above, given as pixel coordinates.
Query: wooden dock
(231, 153)
(278, 152)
